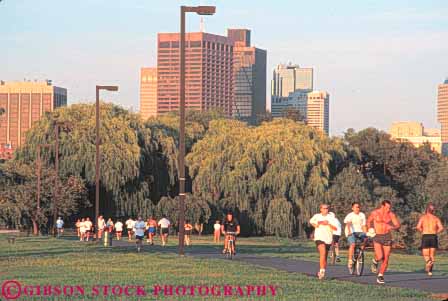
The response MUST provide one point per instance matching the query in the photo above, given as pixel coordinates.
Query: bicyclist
(324, 225)
(355, 227)
(384, 221)
(230, 224)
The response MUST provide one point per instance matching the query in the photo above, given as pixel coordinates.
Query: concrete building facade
(24, 103)
(415, 133)
(318, 111)
(442, 114)
(148, 92)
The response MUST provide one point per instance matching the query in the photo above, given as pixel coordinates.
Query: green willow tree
(138, 158)
(197, 210)
(245, 168)
(133, 154)
(18, 196)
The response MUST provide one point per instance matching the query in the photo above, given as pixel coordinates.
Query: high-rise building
(442, 114)
(249, 75)
(148, 92)
(209, 72)
(286, 80)
(416, 134)
(224, 73)
(25, 103)
(318, 111)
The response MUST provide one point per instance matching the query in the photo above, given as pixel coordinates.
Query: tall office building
(442, 114)
(209, 72)
(318, 111)
(25, 103)
(288, 79)
(249, 75)
(148, 92)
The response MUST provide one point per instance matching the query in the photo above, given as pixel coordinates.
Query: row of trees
(274, 175)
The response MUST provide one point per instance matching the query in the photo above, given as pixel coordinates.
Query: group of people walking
(378, 227)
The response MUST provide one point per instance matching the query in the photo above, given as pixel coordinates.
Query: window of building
(194, 44)
(164, 45)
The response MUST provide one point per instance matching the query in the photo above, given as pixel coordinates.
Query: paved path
(437, 284)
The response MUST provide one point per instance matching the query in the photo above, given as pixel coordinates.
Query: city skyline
(380, 61)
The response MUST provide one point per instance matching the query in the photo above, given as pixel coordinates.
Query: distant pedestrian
(152, 229)
(60, 226)
(88, 225)
(119, 229)
(164, 225)
(101, 224)
(82, 229)
(77, 225)
(139, 232)
(110, 225)
(188, 229)
(130, 227)
(217, 233)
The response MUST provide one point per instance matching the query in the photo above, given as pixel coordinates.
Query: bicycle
(230, 251)
(358, 256)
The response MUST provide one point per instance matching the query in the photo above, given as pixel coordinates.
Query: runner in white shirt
(355, 226)
(164, 225)
(324, 225)
(82, 229)
(139, 232)
(88, 225)
(119, 229)
(60, 226)
(101, 224)
(130, 226)
(336, 235)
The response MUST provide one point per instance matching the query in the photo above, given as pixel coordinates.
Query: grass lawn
(47, 261)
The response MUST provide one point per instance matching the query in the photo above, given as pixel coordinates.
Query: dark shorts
(429, 241)
(320, 242)
(138, 237)
(152, 230)
(383, 239)
(187, 232)
(336, 238)
(164, 230)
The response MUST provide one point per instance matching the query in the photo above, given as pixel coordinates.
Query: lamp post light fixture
(200, 10)
(97, 158)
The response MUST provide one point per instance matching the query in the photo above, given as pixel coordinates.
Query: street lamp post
(200, 10)
(97, 158)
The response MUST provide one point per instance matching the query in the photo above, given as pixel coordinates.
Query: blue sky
(381, 61)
